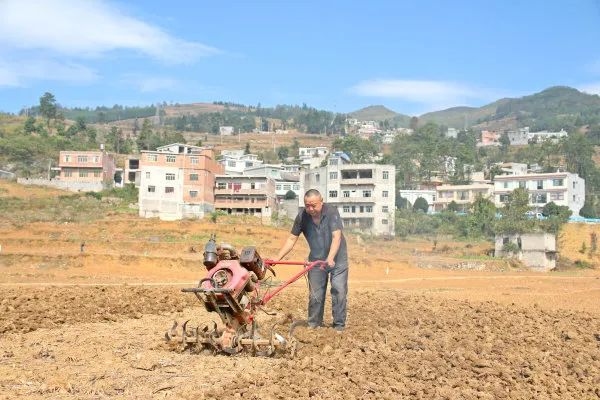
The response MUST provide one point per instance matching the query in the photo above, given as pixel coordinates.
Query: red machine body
(232, 289)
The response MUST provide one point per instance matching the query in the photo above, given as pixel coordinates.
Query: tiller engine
(236, 287)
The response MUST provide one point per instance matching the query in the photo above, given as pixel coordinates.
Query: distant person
(322, 227)
(82, 247)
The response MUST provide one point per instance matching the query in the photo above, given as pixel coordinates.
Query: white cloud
(17, 74)
(87, 29)
(429, 94)
(590, 88)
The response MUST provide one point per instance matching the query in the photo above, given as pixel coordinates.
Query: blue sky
(411, 56)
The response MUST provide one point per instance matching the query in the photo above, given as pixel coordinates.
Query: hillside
(552, 109)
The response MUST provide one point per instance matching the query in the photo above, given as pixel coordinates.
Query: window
(193, 177)
(558, 182)
(169, 189)
(557, 196)
(68, 173)
(505, 185)
(384, 221)
(194, 160)
(353, 209)
(346, 209)
(83, 173)
(317, 178)
(82, 159)
(169, 176)
(540, 184)
(151, 189)
(147, 174)
(366, 193)
(278, 187)
(295, 187)
(463, 195)
(170, 159)
(522, 184)
(539, 198)
(221, 185)
(67, 158)
(193, 193)
(369, 209)
(384, 209)
(333, 175)
(504, 198)
(384, 193)
(231, 163)
(386, 174)
(333, 193)
(152, 157)
(346, 193)
(287, 187)
(96, 159)
(361, 209)
(97, 174)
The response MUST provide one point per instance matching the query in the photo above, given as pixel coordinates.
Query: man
(322, 227)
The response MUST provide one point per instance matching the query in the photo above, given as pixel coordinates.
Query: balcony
(229, 203)
(240, 191)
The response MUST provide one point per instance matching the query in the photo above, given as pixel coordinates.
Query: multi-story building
(462, 195)
(245, 194)
(132, 171)
(87, 167)
(562, 188)
(312, 157)
(235, 162)
(284, 179)
(177, 181)
(363, 193)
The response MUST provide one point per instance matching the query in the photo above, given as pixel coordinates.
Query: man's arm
(287, 247)
(336, 240)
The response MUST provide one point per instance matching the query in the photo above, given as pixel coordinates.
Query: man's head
(313, 202)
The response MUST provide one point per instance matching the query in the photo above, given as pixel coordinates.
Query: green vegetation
(76, 207)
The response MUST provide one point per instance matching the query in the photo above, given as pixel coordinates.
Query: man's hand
(330, 262)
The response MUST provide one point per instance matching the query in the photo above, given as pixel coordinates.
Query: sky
(410, 56)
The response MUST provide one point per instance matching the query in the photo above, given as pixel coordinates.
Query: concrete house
(535, 250)
(562, 188)
(86, 170)
(364, 194)
(177, 181)
(245, 194)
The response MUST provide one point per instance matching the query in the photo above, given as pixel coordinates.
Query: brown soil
(463, 326)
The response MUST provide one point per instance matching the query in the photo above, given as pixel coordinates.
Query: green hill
(554, 108)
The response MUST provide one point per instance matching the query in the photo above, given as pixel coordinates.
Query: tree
(48, 107)
(247, 148)
(514, 218)
(29, 126)
(283, 152)
(421, 205)
(480, 221)
(362, 150)
(290, 195)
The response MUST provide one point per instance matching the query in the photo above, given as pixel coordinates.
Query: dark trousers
(317, 278)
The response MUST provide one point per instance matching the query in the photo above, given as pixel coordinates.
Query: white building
(312, 157)
(562, 188)
(363, 193)
(236, 164)
(412, 195)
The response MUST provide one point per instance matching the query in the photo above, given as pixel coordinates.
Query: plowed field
(90, 324)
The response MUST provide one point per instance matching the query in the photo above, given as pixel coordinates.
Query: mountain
(381, 113)
(555, 108)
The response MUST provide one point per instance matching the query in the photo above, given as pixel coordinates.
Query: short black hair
(312, 192)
